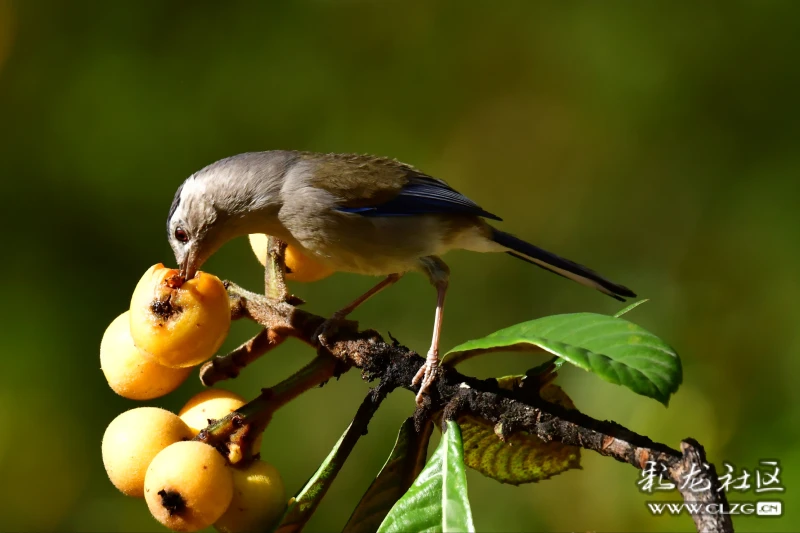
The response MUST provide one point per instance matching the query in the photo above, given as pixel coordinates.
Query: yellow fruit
(133, 439)
(299, 267)
(259, 499)
(210, 404)
(129, 372)
(179, 323)
(188, 486)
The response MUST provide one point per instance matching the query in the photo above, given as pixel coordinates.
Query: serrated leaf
(522, 458)
(401, 469)
(437, 501)
(618, 351)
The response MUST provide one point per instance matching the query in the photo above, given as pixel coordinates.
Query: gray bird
(352, 213)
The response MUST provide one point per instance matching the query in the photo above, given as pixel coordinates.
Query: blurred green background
(656, 142)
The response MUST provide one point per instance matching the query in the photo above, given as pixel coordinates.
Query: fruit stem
(274, 280)
(228, 366)
(235, 434)
(314, 374)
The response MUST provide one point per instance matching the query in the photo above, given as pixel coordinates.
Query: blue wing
(423, 195)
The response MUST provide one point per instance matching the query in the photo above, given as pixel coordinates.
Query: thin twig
(228, 366)
(275, 287)
(235, 434)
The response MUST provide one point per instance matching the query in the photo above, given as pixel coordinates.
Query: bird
(350, 213)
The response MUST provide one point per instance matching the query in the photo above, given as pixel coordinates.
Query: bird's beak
(188, 266)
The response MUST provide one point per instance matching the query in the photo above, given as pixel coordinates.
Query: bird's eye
(181, 235)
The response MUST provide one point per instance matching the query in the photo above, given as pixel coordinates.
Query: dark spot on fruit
(172, 501)
(164, 308)
(205, 467)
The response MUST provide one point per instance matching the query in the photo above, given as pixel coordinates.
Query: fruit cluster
(171, 326)
(188, 485)
(148, 351)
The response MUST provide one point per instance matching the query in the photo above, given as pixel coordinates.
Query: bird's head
(232, 197)
(193, 227)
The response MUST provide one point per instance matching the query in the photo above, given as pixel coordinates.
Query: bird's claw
(426, 376)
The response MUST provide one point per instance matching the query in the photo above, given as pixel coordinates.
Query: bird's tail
(563, 267)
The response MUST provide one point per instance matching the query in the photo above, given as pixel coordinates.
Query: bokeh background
(656, 142)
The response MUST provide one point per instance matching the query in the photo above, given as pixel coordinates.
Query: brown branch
(228, 366)
(454, 393)
(275, 287)
(695, 455)
(235, 435)
(279, 318)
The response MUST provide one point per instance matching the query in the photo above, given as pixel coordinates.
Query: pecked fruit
(129, 372)
(179, 323)
(133, 439)
(188, 486)
(299, 267)
(259, 499)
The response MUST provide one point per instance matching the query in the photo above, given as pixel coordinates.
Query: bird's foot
(426, 376)
(329, 328)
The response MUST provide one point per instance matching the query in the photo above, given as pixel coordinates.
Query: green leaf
(401, 469)
(551, 366)
(613, 348)
(305, 502)
(437, 501)
(302, 506)
(631, 307)
(522, 457)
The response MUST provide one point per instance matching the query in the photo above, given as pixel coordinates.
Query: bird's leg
(439, 274)
(391, 279)
(330, 325)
